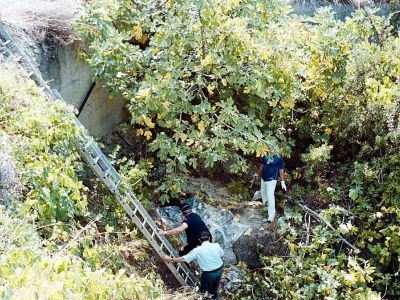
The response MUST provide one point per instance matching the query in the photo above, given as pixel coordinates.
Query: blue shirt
(208, 256)
(271, 166)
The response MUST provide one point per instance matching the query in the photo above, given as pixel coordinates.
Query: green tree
(220, 81)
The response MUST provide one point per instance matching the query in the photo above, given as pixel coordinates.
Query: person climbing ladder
(270, 168)
(209, 258)
(193, 226)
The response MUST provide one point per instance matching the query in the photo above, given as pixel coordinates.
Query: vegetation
(52, 246)
(212, 83)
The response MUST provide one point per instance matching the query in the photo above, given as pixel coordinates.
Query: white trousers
(268, 197)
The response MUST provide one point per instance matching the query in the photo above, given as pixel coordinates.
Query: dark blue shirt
(195, 227)
(271, 166)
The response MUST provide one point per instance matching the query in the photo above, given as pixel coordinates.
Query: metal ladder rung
(96, 159)
(135, 211)
(89, 143)
(143, 224)
(161, 246)
(106, 173)
(178, 268)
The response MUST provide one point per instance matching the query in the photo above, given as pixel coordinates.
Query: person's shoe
(270, 225)
(256, 196)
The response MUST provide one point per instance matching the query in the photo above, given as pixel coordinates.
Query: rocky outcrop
(224, 229)
(244, 235)
(44, 34)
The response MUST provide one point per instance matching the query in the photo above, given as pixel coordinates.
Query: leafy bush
(29, 271)
(217, 81)
(44, 149)
(71, 263)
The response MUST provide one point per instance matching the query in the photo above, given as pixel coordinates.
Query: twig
(308, 227)
(321, 219)
(75, 238)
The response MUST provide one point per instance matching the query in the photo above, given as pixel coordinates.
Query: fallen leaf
(248, 232)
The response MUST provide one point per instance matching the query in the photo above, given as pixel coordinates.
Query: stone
(224, 229)
(257, 239)
(234, 278)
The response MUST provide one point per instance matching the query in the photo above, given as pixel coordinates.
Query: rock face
(224, 229)
(261, 239)
(63, 69)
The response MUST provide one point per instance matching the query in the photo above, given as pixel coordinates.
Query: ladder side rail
(26, 62)
(147, 234)
(171, 250)
(108, 171)
(96, 149)
(150, 221)
(182, 268)
(165, 244)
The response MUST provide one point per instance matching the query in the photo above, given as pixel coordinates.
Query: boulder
(221, 223)
(261, 237)
(245, 234)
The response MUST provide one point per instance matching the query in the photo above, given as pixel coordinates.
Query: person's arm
(259, 170)
(172, 259)
(192, 255)
(174, 231)
(282, 174)
(256, 175)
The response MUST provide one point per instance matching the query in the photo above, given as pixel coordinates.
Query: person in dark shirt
(271, 167)
(193, 226)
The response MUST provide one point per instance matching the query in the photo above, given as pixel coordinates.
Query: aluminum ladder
(104, 170)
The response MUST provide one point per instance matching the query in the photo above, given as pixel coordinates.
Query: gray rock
(259, 239)
(224, 229)
(234, 279)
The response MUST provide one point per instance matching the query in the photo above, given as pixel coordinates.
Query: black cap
(185, 207)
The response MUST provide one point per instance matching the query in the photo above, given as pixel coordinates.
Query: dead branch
(322, 220)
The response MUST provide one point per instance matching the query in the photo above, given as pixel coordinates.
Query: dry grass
(47, 19)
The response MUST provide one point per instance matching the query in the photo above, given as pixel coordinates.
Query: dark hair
(185, 207)
(205, 236)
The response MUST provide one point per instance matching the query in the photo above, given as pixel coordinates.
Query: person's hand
(255, 176)
(283, 185)
(161, 232)
(165, 259)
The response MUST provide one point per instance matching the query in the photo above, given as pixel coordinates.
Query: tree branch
(322, 220)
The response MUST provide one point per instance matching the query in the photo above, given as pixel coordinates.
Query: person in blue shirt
(209, 258)
(270, 169)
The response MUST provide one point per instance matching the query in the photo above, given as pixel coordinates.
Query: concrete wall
(68, 73)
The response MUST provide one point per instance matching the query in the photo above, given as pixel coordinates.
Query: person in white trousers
(270, 169)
